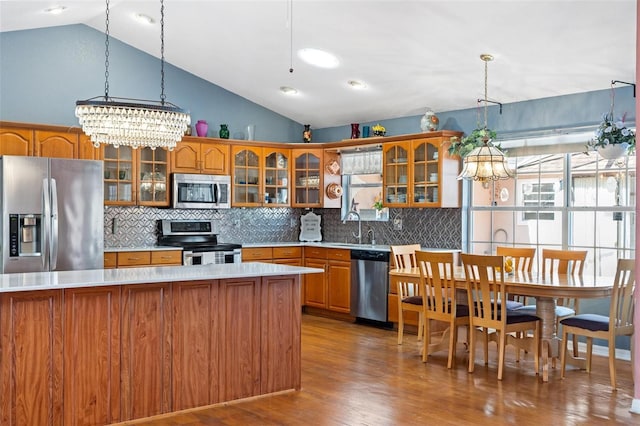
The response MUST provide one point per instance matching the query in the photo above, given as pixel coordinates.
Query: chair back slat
(523, 257)
(563, 261)
(438, 284)
(485, 287)
(404, 256)
(621, 309)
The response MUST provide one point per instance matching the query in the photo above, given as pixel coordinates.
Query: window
(564, 200)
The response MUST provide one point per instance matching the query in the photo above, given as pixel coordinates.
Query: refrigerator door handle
(54, 225)
(46, 232)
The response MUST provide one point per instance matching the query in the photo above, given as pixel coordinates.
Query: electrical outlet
(397, 224)
(293, 222)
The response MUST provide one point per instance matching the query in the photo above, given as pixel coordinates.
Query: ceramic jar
(429, 122)
(201, 128)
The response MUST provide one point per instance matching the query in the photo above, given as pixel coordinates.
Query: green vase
(224, 131)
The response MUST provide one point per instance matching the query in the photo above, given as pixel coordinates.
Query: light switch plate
(397, 224)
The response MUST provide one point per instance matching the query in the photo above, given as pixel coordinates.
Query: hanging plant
(464, 146)
(613, 132)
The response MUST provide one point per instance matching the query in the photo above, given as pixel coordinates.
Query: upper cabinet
(46, 143)
(153, 182)
(120, 165)
(308, 174)
(196, 156)
(420, 173)
(260, 176)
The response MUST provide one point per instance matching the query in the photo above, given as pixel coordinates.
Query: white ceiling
(412, 54)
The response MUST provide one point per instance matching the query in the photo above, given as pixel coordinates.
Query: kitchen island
(102, 346)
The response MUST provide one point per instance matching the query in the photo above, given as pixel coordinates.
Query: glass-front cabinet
(154, 172)
(396, 173)
(420, 173)
(307, 178)
(260, 176)
(276, 177)
(119, 173)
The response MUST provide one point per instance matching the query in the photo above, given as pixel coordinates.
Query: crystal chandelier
(486, 162)
(133, 122)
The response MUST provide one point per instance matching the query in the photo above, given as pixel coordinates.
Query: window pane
(582, 228)
(481, 226)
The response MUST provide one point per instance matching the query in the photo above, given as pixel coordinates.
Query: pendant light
(486, 162)
(133, 122)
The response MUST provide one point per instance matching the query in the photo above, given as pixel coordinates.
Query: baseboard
(621, 354)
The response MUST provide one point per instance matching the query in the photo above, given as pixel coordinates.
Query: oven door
(211, 257)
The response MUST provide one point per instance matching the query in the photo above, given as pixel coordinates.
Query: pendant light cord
(486, 79)
(106, 55)
(291, 36)
(162, 95)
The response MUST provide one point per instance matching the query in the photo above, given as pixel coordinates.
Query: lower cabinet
(102, 355)
(330, 290)
(139, 258)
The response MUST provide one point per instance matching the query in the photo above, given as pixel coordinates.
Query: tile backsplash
(136, 226)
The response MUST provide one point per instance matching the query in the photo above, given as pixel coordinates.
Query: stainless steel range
(198, 241)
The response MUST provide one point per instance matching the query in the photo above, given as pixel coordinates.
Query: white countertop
(103, 277)
(140, 248)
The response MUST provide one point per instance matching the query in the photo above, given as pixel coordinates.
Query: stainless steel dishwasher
(370, 285)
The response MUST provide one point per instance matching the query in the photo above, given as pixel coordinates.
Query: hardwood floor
(355, 374)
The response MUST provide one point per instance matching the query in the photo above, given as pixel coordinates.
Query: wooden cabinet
(31, 368)
(257, 254)
(146, 350)
(16, 141)
(57, 143)
(139, 258)
(288, 255)
(330, 290)
(120, 169)
(308, 176)
(195, 359)
(260, 176)
(197, 156)
(420, 173)
(339, 280)
(91, 356)
(153, 177)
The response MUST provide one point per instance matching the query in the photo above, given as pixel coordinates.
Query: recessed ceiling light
(144, 19)
(357, 85)
(288, 90)
(56, 10)
(318, 57)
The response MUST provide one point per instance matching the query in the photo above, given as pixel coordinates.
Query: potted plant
(612, 139)
(475, 139)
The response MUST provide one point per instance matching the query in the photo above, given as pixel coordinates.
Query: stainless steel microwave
(193, 191)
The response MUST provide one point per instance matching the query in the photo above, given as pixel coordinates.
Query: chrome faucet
(359, 236)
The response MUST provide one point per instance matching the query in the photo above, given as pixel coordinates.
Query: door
(24, 182)
(77, 193)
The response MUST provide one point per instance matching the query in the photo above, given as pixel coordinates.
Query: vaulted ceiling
(410, 54)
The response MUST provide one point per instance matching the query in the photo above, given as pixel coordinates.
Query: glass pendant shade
(485, 163)
(132, 122)
(119, 123)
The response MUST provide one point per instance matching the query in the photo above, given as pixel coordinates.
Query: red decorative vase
(355, 130)
(201, 128)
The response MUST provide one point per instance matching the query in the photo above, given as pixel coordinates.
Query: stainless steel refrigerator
(52, 214)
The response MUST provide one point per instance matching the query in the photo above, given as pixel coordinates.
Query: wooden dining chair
(523, 257)
(438, 288)
(618, 323)
(409, 293)
(488, 311)
(561, 262)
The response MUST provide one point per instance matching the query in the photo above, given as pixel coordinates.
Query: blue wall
(44, 71)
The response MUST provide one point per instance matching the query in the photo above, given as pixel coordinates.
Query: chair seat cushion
(515, 317)
(413, 300)
(462, 310)
(592, 322)
(561, 311)
(511, 305)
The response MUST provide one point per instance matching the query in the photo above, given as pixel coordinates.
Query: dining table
(545, 289)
